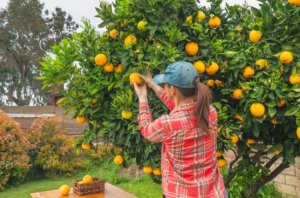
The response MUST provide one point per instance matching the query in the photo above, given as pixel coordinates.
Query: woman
(188, 134)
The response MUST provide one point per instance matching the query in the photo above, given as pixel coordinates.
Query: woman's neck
(182, 101)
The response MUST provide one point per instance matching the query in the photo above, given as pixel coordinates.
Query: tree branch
(271, 161)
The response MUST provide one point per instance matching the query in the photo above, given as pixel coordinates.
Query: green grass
(142, 186)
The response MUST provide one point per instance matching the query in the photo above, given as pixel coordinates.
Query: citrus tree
(249, 58)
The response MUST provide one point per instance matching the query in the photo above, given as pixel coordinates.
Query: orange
(294, 79)
(118, 160)
(100, 59)
(249, 142)
(218, 83)
(274, 121)
(262, 63)
(286, 57)
(80, 119)
(157, 171)
(214, 22)
(189, 19)
(119, 69)
(200, 15)
(239, 117)
(130, 40)
(86, 146)
(113, 33)
(219, 154)
(222, 163)
(141, 25)
(126, 114)
(64, 190)
(87, 179)
(237, 94)
(248, 72)
(212, 69)
(257, 109)
(210, 83)
(282, 102)
(245, 88)
(109, 67)
(234, 138)
(298, 133)
(191, 48)
(147, 169)
(238, 28)
(277, 152)
(134, 78)
(255, 36)
(199, 66)
(294, 2)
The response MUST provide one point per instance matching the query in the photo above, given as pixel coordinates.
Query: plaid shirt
(188, 159)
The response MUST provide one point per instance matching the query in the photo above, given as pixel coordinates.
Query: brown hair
(203, 100)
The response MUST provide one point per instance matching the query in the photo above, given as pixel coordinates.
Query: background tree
(248, 57)
(27, 32)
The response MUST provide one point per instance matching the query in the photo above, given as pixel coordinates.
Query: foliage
(14, 162)
(101, 96)
(52, 152)
(27, 31)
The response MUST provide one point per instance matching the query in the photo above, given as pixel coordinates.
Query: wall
(26, 114)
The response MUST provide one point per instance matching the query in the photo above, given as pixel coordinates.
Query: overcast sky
(79, 9)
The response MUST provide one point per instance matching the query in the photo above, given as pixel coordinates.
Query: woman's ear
(172, 90)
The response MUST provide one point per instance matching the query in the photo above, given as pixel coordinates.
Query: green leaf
(292, 111)
(272, 111)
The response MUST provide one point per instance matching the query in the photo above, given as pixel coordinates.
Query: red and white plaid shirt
(188, 159)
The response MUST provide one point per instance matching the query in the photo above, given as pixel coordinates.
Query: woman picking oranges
(188, 134)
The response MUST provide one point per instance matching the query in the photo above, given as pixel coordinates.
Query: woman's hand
(141, 92)
(148, 78)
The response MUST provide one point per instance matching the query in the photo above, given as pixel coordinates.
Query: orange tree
(249, 58)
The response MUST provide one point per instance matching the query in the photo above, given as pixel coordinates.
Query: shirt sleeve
(161, 94)
(151, 130)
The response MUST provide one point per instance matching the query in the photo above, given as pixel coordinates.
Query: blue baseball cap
(179, 74)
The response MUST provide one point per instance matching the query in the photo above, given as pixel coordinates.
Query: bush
(52, 153)
(14, 162)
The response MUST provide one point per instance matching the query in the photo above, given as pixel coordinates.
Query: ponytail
(203, 100)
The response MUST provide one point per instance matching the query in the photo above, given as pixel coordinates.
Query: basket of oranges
(88, 185)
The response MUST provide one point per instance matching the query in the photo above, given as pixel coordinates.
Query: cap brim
(158, 79)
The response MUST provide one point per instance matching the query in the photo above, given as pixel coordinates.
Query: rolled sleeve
(151, 130)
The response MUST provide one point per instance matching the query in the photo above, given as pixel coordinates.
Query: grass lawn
(141, 186)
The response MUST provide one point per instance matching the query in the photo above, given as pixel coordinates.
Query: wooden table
(111, 191)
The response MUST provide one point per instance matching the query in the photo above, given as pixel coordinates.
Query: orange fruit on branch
(80, 119)
(126, 114)
(134, 78)
(109, 67)
(257, 109)
(200, 15)
(100, 59)
(214, 22)
(191, 48)
(130, 40)
(199, 66)
(286, 57)
(255, 36)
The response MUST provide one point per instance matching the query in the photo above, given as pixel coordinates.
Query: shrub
(52, 152)
(14, 162)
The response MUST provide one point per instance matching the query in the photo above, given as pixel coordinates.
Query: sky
(80, 9)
